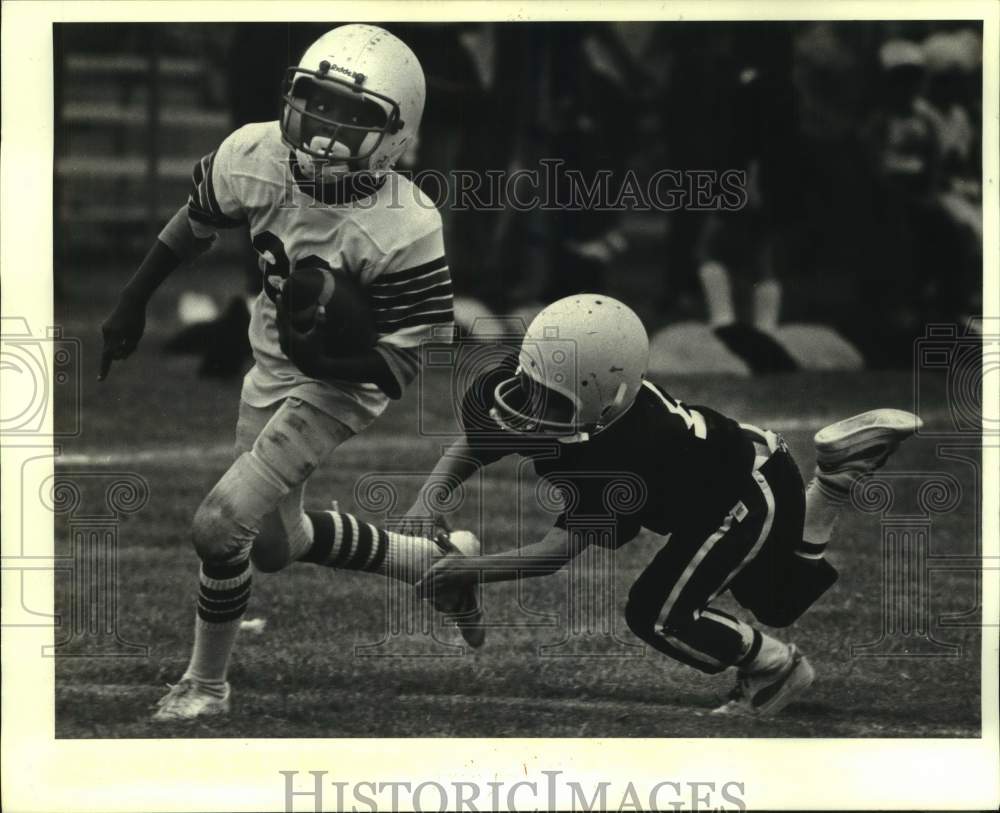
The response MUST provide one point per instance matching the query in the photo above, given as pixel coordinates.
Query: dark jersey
(662, 465)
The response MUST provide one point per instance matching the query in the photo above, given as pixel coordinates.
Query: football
(349, 327)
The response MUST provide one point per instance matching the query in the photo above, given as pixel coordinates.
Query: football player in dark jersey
(728, 497)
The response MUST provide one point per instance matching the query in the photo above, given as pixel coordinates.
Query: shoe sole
(851, 435)
(732, 708)
(212, 711)
(797, 681)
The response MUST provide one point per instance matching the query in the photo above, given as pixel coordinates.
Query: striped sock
(223, 595)
(343, 541)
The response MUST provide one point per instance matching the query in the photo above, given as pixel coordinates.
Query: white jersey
(387, 237)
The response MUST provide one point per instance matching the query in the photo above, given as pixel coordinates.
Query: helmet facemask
(581, 366)
(524, 405)
(335, 123)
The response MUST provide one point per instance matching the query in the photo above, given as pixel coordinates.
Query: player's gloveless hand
(303, 349)
(122, 331)
(417, 522)
(449, 575)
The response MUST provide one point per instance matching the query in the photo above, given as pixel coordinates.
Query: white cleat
(855, 446)
(188, 701)
(766, 693)
(465, 609)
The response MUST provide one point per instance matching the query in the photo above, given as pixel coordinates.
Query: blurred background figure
(921, 151)
(954, 107)
(859, 143)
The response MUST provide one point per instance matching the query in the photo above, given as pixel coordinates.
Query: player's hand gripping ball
(324, 313)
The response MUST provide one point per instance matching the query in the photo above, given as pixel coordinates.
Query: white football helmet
(379, 91)
(580, 367)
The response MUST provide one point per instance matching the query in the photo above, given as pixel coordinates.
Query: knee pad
(227, 520)
(216, 535)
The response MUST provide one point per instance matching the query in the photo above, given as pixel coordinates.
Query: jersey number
(693, 419)
(276, 266)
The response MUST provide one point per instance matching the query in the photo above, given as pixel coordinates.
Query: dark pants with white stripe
(750, 551)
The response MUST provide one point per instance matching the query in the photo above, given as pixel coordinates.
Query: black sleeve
(590, 504)
(625, 529)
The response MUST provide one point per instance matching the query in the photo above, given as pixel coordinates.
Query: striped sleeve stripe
(397, 300)
(428, 280)
(410, 274)
(437, 318)
(202, 172)
(197, 181)
(203, 206)
(389, 312)
(213, 202)
(433, 306)
(218, 221)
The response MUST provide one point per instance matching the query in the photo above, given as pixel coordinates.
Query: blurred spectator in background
(507, 261)
(694, 127)
(745, 118)
(460, 65)
(905, 145)
(952, 98)
(597, 92)
(861, 144)
(917, 151)
(953, 104)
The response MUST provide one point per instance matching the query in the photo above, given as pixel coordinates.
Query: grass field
(302, 677)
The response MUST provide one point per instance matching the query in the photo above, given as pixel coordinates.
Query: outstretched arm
(122, 330)
(458, 463)
(542, 558)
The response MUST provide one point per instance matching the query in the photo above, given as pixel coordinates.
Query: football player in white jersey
(317, 191)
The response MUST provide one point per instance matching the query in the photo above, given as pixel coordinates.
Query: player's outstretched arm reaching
(727, 497)
(457, 464)
(450, 575)
(123, 329)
